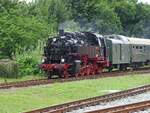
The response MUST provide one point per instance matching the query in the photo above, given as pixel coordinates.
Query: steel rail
(124, 108)
(91, 101)
(50, 81)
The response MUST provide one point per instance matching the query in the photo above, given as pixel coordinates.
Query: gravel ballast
(123, 101)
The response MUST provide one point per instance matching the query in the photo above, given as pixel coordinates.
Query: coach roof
(118, 39)
(140, 41)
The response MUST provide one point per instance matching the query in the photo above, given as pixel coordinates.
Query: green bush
(8, 68)
(29, 60)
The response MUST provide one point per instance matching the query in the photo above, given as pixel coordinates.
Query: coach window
(140, 47)
(137, 47)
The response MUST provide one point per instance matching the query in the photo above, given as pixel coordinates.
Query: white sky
(144, 1)
(26, 0)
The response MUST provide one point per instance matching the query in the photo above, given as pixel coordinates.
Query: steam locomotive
(87, 53)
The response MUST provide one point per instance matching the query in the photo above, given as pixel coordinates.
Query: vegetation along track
(92, 101)
(125, 108)
(50, 81)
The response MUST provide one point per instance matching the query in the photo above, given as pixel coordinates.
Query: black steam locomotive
(75, 54)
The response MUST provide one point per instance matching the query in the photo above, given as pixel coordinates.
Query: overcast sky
(144, 1)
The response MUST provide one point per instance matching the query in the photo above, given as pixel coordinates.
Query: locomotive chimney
(61, 32)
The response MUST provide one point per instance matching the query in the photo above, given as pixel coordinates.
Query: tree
(126, 11)
(96, 15)
(59, 11)
(142, 26)
(19, 31)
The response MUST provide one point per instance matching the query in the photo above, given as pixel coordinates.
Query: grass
(25, 99)
(32, 77)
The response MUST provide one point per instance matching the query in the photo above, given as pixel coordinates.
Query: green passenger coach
(119, 50)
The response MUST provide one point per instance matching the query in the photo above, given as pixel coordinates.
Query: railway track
(67, 107)
(129, 108)
(50, 81)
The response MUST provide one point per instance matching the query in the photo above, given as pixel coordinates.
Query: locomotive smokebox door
(77, 65)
